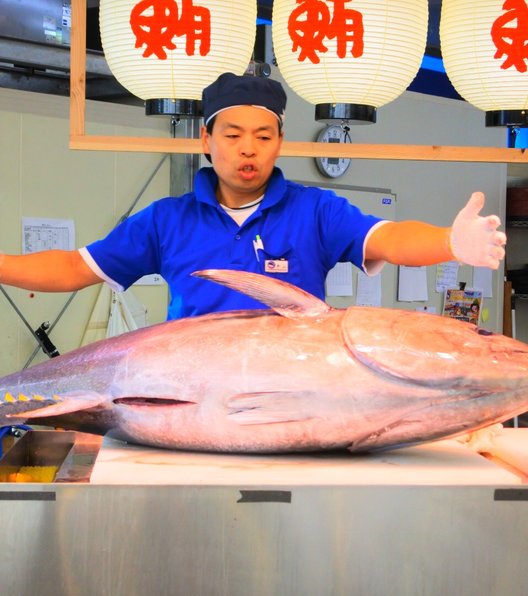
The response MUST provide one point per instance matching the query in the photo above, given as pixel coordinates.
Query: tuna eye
(484, 331)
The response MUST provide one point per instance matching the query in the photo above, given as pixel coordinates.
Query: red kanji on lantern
(156, 22)
(510, 35)
(310, 24)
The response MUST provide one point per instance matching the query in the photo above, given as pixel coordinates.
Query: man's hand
(475, 240)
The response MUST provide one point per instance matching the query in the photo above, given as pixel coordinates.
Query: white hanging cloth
(114, 313)
(98, 322)
(126, 314)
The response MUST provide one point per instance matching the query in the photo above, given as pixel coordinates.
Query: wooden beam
(145, 144)
(507, 313)
(78, 69)
(80, 140)
(310, 149)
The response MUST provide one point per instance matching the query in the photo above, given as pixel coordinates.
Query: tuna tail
(285, 299)
(15, 409)
(19, 405)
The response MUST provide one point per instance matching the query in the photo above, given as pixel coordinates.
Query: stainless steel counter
(431, 520)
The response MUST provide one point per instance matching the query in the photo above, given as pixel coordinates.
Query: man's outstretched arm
(47, 271)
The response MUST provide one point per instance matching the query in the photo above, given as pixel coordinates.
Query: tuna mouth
(152, 402)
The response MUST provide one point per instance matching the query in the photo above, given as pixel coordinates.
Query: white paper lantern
(484, 51)
(360, 52)
(174, 48)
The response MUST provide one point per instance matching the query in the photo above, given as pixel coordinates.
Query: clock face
(332, 166)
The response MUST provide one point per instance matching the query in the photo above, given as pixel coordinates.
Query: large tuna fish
(302, 376)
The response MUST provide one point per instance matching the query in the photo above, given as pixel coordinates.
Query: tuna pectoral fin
(72, 402)
(270, 407)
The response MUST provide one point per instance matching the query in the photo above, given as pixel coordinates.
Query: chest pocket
(279, 260)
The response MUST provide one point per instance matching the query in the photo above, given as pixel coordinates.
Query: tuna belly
(256, 422)
(444, 420)
(269, 421)
(154, 421)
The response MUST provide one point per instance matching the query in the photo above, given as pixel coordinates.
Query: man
(244, 215)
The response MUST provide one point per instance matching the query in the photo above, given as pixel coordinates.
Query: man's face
(244, 145)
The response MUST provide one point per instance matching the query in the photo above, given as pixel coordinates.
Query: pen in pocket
(258, 245)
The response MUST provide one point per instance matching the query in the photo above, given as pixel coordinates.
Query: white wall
(41, 177)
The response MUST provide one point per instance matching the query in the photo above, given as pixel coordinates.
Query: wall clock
(333, 167)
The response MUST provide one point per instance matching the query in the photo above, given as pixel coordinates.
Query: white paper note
(47, 234)
(482, 281)
(446, 276)
(412, 284)
(368, 290)
(339, 280)
(430, 310)
(154, 279)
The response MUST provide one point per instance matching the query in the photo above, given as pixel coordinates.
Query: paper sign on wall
(368, 290)
(446, 276)
(47, 234)
(412, 284)
(339, 280)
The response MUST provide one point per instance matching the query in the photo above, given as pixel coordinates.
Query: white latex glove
(474, 239)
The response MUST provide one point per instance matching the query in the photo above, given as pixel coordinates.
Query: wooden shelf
(517, 223)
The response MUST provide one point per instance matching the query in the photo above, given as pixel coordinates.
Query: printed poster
(464, 305)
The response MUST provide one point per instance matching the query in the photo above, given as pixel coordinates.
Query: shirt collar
(206, 180)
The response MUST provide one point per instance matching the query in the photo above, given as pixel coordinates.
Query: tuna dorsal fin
(284, 298)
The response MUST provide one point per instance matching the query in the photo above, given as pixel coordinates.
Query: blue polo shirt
(305, 230)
